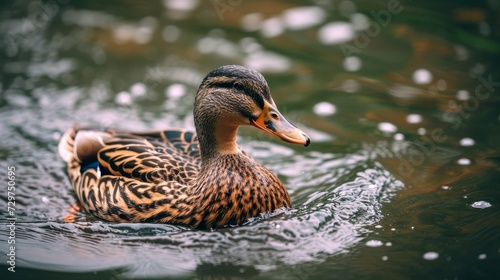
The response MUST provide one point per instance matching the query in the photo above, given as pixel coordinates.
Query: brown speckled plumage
(173, 177)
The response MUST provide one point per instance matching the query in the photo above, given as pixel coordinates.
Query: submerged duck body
(203, 180)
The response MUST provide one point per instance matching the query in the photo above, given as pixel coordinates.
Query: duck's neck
(216, 139)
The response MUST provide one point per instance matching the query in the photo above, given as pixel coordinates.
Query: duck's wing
(145, 159)
(125, 177)
(120, 199)
(148, 157)
(183, 140)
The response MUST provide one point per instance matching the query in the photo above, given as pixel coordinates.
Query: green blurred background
(401, 99)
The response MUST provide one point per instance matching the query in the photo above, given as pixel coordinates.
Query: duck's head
(234, 95)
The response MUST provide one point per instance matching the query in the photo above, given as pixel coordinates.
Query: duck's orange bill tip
(272, 122)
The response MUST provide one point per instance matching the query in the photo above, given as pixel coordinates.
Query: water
(400, 182)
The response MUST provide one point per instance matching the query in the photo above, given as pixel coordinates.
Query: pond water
(401, 99)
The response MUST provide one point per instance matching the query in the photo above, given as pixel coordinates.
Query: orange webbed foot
(73, 211)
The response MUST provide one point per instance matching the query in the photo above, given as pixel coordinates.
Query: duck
(202, 179)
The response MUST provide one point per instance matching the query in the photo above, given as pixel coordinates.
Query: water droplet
(446, 187)
(385, 258)
(360, 21)
(352, 63)
(388, 244)
(336, 33)
(374, 243)
(170, 33)
(123, 98)
(251, 22)
(123, 33)
(481, 204)
(324, 109)
(272, 27)
(303, 17)
(393, 229)
(463, 95)
(180, 6)
(56, 135)
(399, 137)
(142, 35)
(176, 91)
(387, 127)
(207, 45)
(249, 45)
(477, 69)
(351, 86)
(430, 256)
(467, 142)
(378, 226)
(442, 84)
(482, 256)
(267, 61)
(421, 131)
(422, 76)
(414, 118)
(464, 161)
(138, 89)
(462, 52)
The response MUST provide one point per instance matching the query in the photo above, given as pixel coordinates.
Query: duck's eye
(238, 86)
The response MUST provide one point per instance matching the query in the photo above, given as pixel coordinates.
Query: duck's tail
(81, 145)
(79, 148)
(67, 143)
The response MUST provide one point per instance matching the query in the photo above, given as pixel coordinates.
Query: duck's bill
(272, 122)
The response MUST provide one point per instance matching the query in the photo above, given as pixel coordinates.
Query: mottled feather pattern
(147, 178)
(146, 161)
(245, 192)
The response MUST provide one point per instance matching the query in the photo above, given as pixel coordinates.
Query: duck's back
(128, 177)
(168, 155)
(153, 156)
